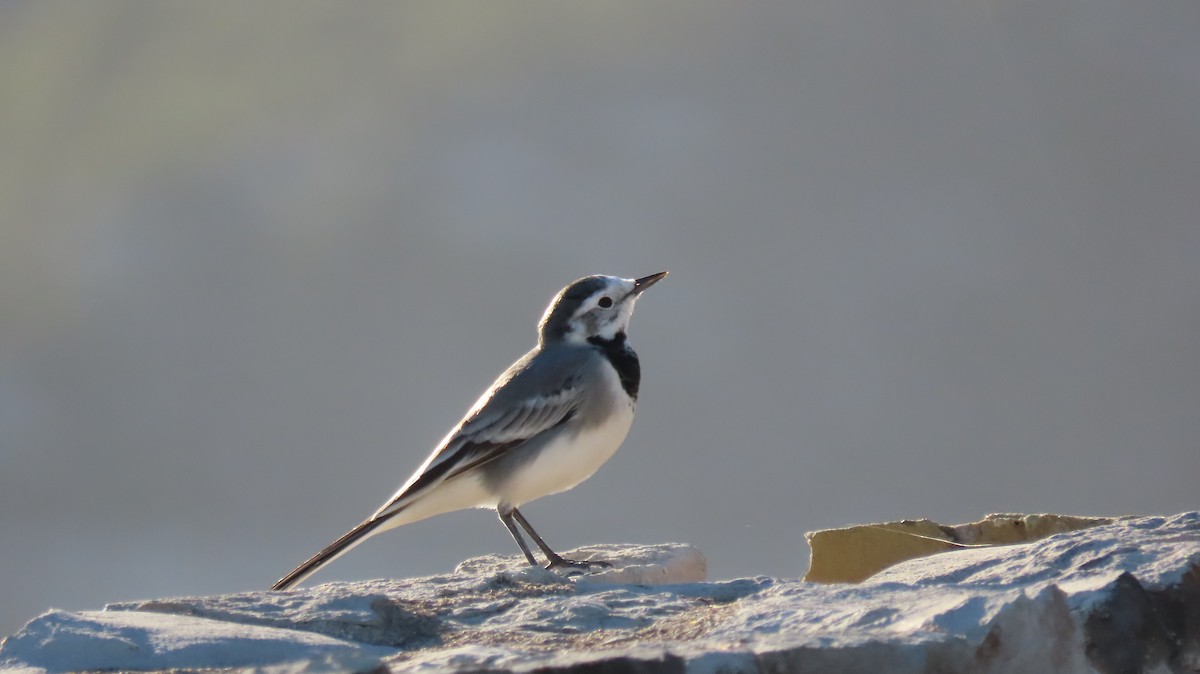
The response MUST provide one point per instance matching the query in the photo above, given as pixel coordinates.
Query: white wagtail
(547, 424)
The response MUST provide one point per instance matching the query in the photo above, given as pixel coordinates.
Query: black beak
(646, 281)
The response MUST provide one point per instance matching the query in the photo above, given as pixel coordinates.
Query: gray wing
(539, 392)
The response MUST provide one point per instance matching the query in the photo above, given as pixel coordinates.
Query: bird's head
(593, 306)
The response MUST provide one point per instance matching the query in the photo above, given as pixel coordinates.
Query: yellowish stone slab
(853, 554)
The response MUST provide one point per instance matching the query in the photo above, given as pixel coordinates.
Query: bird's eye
(605, 302)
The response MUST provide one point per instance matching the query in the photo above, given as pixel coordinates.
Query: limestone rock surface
(1119, 597)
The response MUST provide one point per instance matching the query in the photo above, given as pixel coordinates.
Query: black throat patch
(623, 358)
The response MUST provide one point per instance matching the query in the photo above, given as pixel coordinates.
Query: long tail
(331, 552)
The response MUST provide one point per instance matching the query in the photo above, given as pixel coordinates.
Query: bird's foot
(574, 567)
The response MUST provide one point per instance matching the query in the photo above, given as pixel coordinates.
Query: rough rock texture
(632, 564)
(853, 554)
(1121, 597)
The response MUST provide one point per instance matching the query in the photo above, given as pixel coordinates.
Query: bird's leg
(507, 519)
(555, 561)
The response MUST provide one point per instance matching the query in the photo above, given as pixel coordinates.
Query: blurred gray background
(929, 258)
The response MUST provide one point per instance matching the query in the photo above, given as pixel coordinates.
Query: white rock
(662, 564)
(59, 641)
(1117, 597)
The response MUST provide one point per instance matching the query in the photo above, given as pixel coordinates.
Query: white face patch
(606, 313)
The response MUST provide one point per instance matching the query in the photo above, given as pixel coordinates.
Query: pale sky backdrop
(928, 259)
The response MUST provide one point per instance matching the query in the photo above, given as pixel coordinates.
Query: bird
(545, 425)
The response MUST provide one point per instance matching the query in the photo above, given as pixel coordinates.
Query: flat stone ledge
(1123, 596)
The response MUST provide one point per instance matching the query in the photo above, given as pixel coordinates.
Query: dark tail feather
(331, 552)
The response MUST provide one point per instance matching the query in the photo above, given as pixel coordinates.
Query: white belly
(559, 466)
(570, 460)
